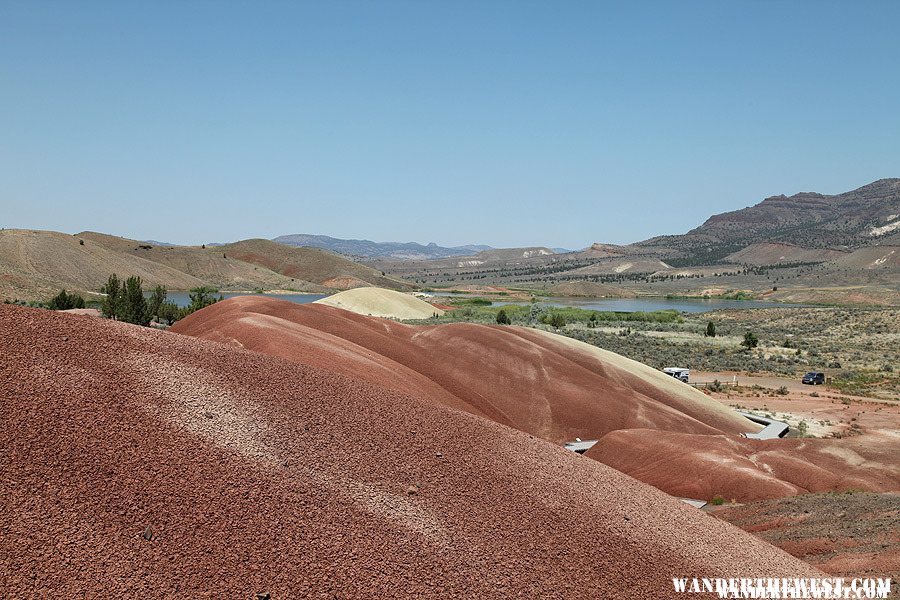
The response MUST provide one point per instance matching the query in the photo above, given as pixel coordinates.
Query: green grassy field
(858, 348)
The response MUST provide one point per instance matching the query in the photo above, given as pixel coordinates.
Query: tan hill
(187, 468)
(589, 289)
(620, 265)
(509, 254)
(771, 253)
(882, 258)
(210, 265)
(850, 295)
(497, 258)
(379, 302)
(37, 264)
(601, 250)
(312, 264)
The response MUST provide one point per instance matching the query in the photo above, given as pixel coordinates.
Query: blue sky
(506, 123)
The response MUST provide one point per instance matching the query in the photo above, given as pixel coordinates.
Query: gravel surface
(854, 534)
(144, 463)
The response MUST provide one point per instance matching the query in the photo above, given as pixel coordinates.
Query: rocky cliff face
(810, 219)
(863, 217)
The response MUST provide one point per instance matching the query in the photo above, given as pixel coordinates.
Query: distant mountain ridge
(810, 219)
(867, 216)
(370, 249)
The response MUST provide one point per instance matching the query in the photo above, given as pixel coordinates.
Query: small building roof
(580, 446)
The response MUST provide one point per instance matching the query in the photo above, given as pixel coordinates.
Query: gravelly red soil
(704, 466)
(513, 375)
(144, 463)
(848, 534)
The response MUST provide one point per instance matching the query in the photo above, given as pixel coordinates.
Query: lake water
(690, 305)
(183, 298)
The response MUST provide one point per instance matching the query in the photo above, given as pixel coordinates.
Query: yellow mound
(379, 302)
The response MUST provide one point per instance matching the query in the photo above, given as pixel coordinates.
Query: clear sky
(506, 123)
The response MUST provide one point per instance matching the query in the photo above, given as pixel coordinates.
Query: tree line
(125, 301)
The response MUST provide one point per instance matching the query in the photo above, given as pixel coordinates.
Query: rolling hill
(188, 468)
(37, 264)
(320, 266)
(773, 253)
(649, 426)
(540, 383)
(210, 265)
(793, 245)
(379, 302)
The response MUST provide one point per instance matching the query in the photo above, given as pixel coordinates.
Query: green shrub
(717, 501)
(65, 301)
(171, 312)
(471, 302)
(750, 340)
(554, 319)
(503, 318)
(202, 297)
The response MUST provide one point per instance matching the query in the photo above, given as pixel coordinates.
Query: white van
(678, 373)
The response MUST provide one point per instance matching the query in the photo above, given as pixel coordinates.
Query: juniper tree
(134, 305)
(110, 307)
(157, 299)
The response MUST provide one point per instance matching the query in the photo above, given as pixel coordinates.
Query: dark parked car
(814, 378)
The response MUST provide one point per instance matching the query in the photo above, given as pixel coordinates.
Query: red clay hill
(158, 465)
(649, 426)
(530, 380)
(705, 466)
